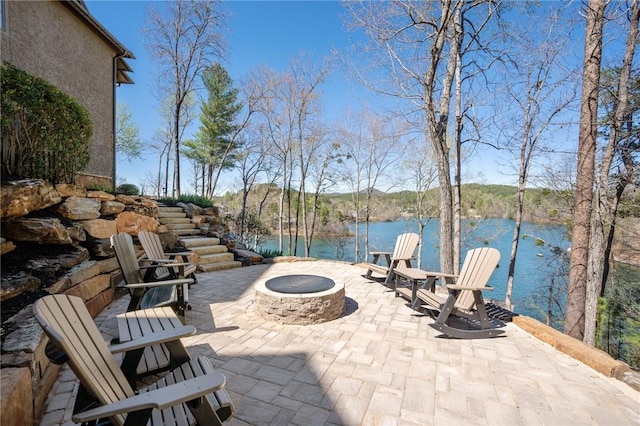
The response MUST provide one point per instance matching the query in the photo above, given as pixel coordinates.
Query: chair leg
(481, 310)
(441, 326)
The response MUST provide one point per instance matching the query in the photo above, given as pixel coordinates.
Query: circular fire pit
(300, 299)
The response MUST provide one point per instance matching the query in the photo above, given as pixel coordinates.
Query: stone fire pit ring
(294, 304)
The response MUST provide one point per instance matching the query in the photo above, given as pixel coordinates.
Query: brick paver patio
(379, 364)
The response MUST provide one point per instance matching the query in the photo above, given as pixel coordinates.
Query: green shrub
(45, 132)
(269, 253)
(128, 189)
(190, 198)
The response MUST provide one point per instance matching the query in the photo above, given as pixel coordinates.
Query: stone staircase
(211, 255)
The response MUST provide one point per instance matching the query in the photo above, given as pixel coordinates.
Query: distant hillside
(478, 201)
(541, 205)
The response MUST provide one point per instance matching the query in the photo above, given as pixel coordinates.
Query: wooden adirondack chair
(193, 393)
(402, 254)
(156, 255)
(151, 294)
(465, 296)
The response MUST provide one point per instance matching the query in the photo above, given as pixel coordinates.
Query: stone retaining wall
(77, 223)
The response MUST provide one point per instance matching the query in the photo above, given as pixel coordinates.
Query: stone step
(215, 257)
(172, 220)
(204, 250)
(169, 209)
(219, 266)
(163, 214)
(176, 226)
(199, 242)
(185, 232)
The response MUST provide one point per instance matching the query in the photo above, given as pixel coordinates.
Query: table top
(419, 274)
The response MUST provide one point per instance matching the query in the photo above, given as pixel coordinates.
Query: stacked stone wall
(78, 223)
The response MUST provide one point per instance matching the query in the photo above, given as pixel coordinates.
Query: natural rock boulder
(151, 211)
(198, 220)
(16, 389)
(6, 246)
(110, 208)
(43, 231)
(18, 198)
(190, 209)
(210, 211)
(76, 208)
(19, 283)
(101, 195)
(70, 190)
(99, 247)
(126, 199)
(100, 228)
(132, 223)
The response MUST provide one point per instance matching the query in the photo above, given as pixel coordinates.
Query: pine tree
(217, 136)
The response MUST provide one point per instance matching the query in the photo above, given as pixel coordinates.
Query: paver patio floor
(379, 364)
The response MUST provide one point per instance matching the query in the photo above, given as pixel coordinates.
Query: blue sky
(260, 32)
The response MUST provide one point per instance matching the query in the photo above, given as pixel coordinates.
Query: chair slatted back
(405, 246)
(477, 268)
(122, 243)
(152, 247)
(68, 324)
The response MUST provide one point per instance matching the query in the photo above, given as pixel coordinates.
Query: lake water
(536, 266)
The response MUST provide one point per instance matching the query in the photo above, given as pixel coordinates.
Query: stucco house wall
(58, 41)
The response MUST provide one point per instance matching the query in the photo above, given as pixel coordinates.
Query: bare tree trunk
(516, 239)
(281, 208)
(302, 195)
(601, 211)
(166, 171)
(437, 121)
(159, 178)
(457, 153)
(580, 236)
(176, 152)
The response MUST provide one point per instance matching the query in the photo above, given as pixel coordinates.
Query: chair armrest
(162, 398)
(179, 281)
(170, 263)
(381, 252)
(153, 339)
(178, 253)
(160, 260)
(462, 287)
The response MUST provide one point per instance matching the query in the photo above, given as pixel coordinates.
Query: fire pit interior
(300, 299)
(293, 284)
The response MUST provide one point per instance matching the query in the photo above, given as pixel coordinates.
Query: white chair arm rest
(462, 287)
(162, 398)
(153, 339)
(179, 281)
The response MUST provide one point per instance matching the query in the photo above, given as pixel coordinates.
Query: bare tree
(303, 100)
(603, 210)
(252, 163)
(583, 196)
(319, 170)
(372, 145)
(127, 133)
(183, 37)
(539, 90)
(420, 42)
(423, 174)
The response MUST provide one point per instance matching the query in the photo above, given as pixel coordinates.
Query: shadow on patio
(381, 364)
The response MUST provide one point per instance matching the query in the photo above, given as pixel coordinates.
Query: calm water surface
(536, 266)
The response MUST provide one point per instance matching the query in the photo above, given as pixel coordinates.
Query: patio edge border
(589, 355)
